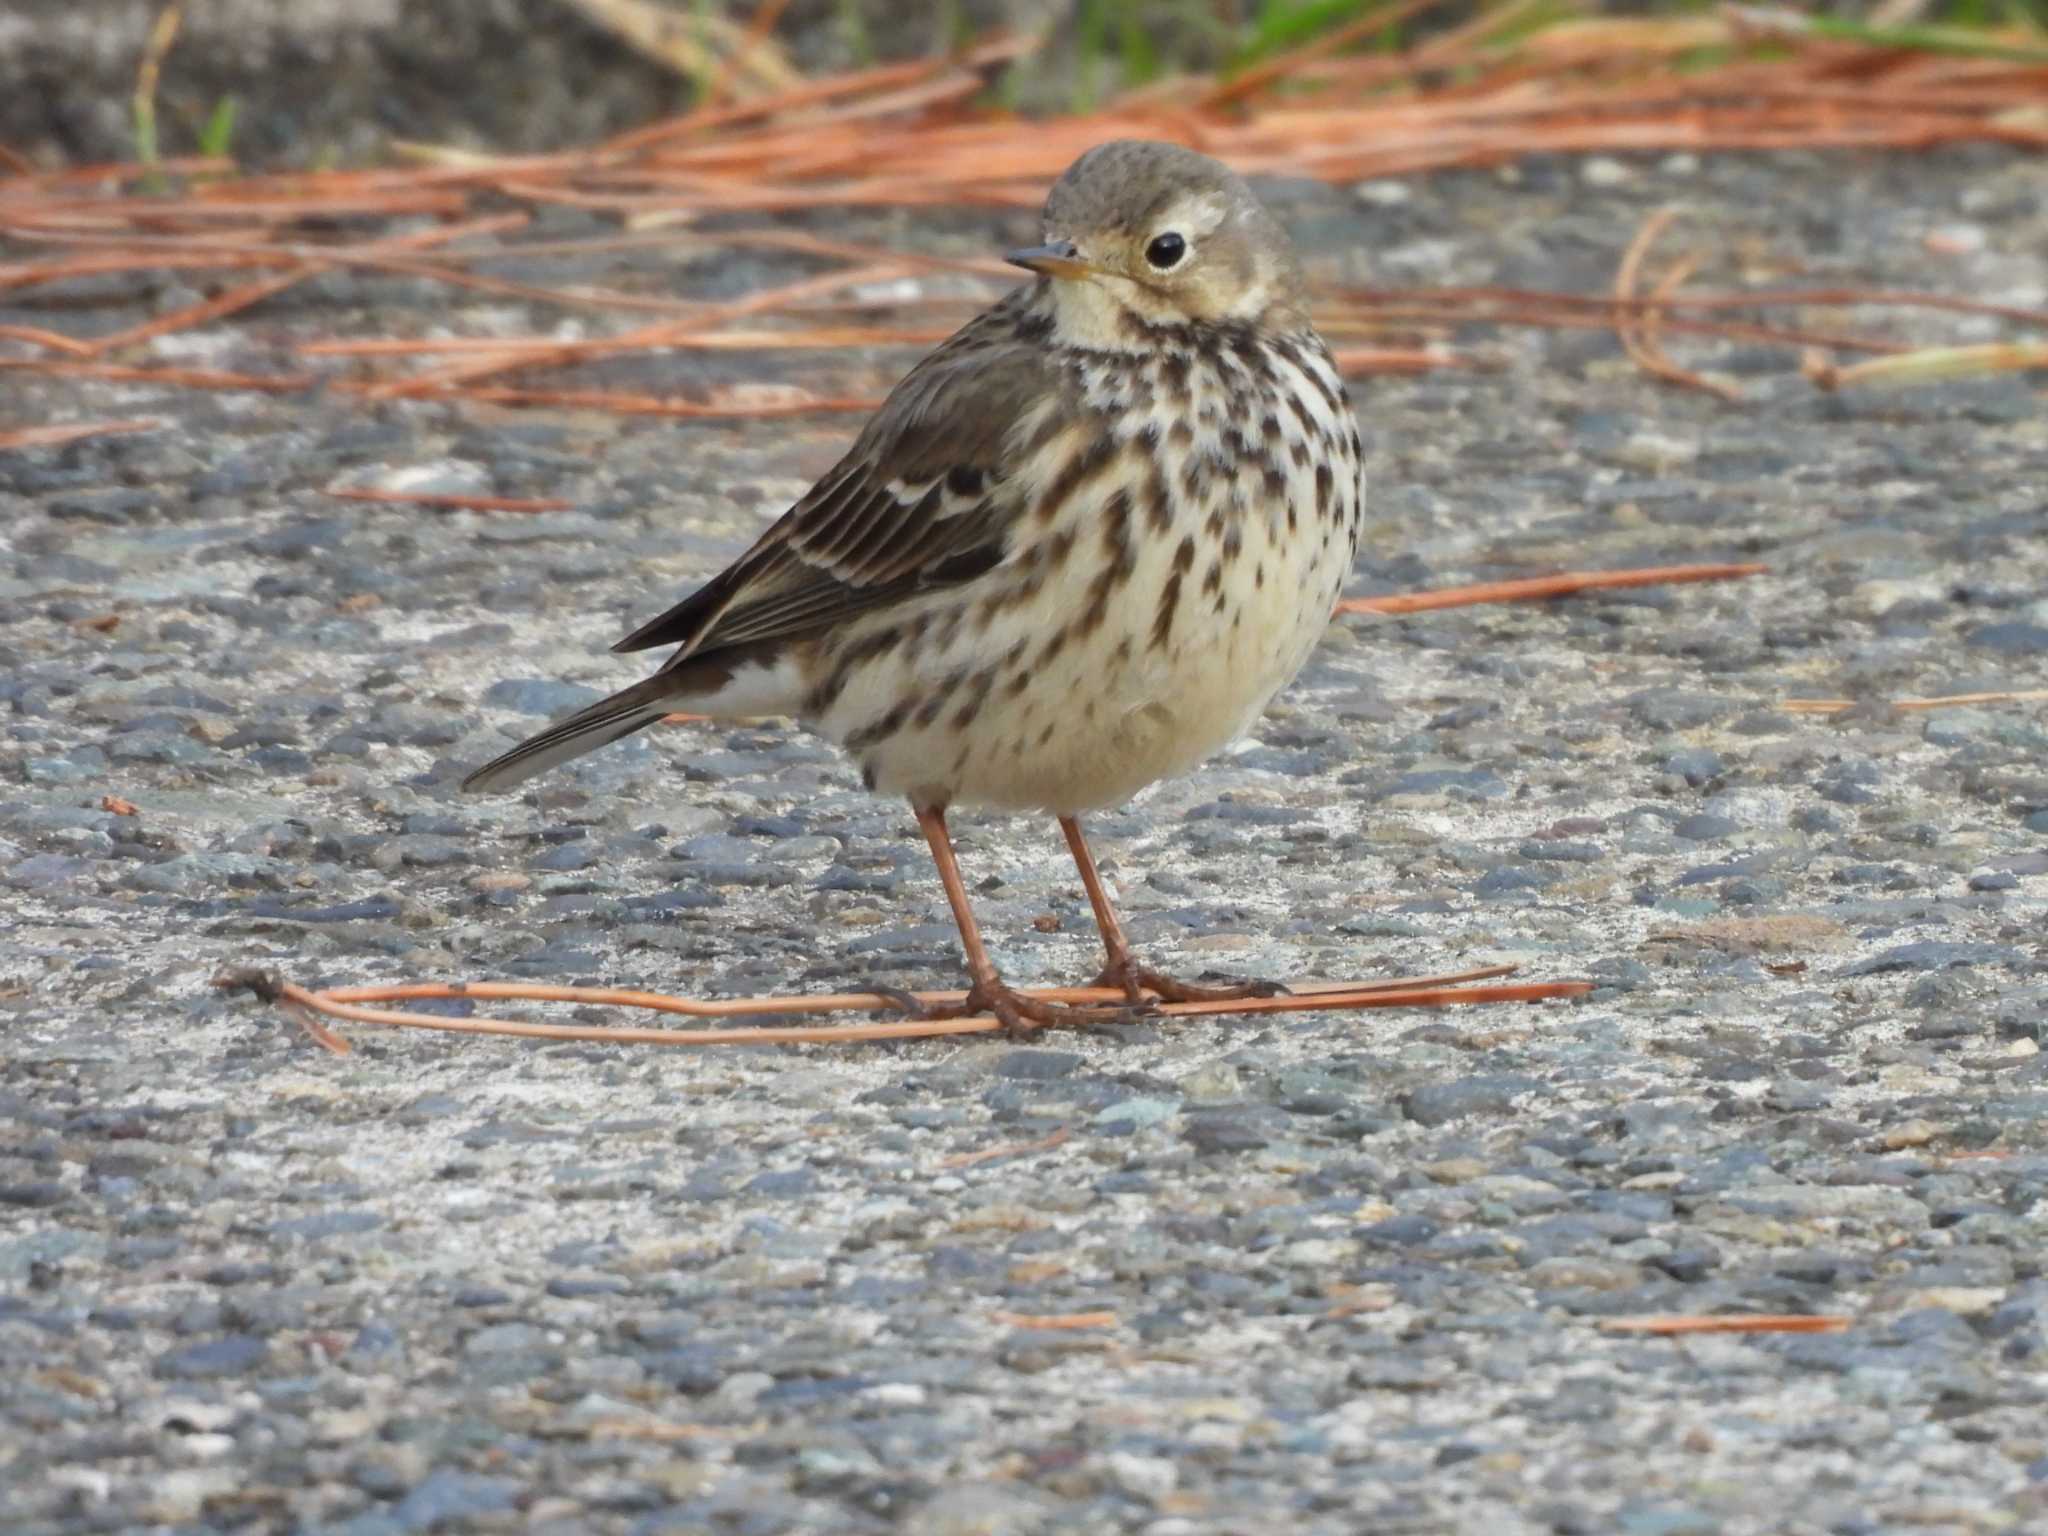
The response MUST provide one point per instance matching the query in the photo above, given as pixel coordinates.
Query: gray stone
(323, 1224)
(1510, 881)
(1705, 827)
(1137, 1113)
(1036, 1065)
(1933, 955)
(1441, 1103)
(50, 871)
(1696, 765)
(1243, 1128)
(232, 1354)
(1678, 709)
(447, 1498)
(2011, 639)
(539, 695)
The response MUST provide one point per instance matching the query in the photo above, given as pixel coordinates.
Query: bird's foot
(1021, 1014)
(1135, 981)
(1024, 1016)
(909, 1002)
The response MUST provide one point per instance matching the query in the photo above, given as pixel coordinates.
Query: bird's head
(1141, 235)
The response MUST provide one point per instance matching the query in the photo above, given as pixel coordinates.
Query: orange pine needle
(1354, 362)
(450, 501)
(1639, 335)
(353, 1003)
(187, 378)
(234, 301)
(1564, 584)
(72, 432)
(1942, 701)
(657, 405)
(711, 341)
(1059, 1322)
(35, 336)
(1675, 1324)
(664, 334)
(1007, 1149)
(914, 134)
(237, 299)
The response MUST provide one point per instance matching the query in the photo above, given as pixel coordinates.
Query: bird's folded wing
(924, 499)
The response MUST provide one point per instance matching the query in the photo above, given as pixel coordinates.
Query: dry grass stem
(1930, 363)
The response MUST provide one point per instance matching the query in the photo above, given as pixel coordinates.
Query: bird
(1077, 550)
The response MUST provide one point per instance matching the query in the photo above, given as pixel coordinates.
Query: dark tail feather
(629, 710)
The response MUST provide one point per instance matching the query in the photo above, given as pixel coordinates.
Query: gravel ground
(1354, 1268)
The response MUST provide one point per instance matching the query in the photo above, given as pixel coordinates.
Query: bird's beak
(1056, 260)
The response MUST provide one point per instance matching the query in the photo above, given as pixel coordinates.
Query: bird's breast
(1179, 543)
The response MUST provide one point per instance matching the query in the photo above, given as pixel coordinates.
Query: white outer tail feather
(752, 689)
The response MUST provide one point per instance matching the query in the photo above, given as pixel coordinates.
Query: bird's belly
(1057, 701)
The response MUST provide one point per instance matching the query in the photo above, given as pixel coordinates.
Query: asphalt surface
(1351, 1271)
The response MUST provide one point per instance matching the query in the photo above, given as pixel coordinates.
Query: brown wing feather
(920, 501)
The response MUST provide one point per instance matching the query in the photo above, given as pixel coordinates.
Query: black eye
(1165, 250)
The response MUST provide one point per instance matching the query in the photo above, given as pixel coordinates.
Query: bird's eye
(1166, 250)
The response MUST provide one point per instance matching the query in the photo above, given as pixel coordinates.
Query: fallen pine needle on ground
(56, 436)
(1007, 1149)
(1513, 81)
(1671, 1325)
(1058, 1322)
(355, 1004)
(1563, 584)
(309, 1008)
(1943, 701)
(448, 501)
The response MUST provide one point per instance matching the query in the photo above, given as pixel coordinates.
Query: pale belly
(1036, 708)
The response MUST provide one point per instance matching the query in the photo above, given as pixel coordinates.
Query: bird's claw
(1145, 992)
(909, 1002)
(1021, 1015)
(1135, 980)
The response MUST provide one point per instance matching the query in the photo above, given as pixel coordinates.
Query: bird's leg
(986, 991)
(1124, 969)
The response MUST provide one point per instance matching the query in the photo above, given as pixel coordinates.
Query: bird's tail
(733, 682)
(629, 710)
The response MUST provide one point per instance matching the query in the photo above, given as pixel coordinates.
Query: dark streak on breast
(1101, 451)
(1120, 561)
(870, 647)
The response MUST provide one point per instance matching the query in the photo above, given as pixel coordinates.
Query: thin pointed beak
(1056, 260)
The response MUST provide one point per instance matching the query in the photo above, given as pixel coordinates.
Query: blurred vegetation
(1100, 46)
(568, 76)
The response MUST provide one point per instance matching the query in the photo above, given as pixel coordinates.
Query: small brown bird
(1077, 550)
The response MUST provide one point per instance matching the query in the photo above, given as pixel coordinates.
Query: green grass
(219, 129)
(853, 31)
(212, 138)
(1942, 36)
(1284, 24)
(144, 123)
(1128, 42)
